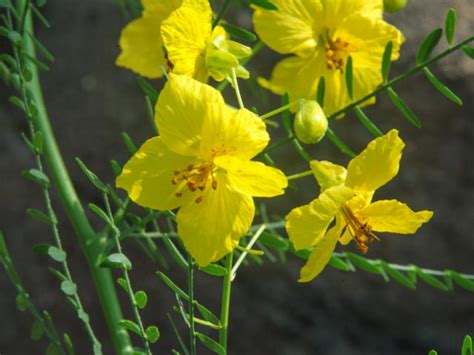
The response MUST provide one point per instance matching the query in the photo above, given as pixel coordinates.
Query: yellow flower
(322, 34)
(346, 197)
(201, 163)
(178, 36)
(142, 49)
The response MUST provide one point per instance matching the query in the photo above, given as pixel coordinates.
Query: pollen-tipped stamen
(360, 232)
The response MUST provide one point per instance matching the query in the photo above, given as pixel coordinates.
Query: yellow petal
(160, 6)
(251, 177)
(290, 29)
(181, 110)
(147, 176)
(307, 225)
(297, 76)
(230, 131)
(186, 35)
(212, 228)
(142, 47)
(328, 174)
(377, 164)
(335, 12)
(321, 254)
(394, 216)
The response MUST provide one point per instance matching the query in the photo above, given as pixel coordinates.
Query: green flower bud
(310, 123)
(394, 5)
(223, 56)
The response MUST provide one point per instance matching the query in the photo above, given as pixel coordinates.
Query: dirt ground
(91, 101)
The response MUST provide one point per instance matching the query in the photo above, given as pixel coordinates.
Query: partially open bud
(394, 5)
(223, 56)
(328, 174)
(310, 123)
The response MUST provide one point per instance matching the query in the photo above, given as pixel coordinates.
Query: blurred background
(91, 101)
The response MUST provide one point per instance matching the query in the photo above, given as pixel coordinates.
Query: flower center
(361, 232)
(194, 178)
(337, 52)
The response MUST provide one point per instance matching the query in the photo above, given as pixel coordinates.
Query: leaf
(40, 3)
(52, 349)
(274, 241)
(17, 102)
(264, 4)
(5, 3)
(38, 142)
(57, 254)
(450, 26)
(123, 283)
(179, 292)
(15, 37)
(462, 281)
(37, 176)
(397, 275)
(211, 344)
(147, 89)
(68, 344)
(129, 325)
(404, 109)
(339, 143)
(441, 87)
(152, 334)
(363, 263)
(58, 274)
(427, 46)
(117, 169)
(367, 122)
(387, 61)
(207, 314)
(21, 302)
(467, 346)
(349, 80)
(41, 248)
(469, 51)
(433, 352)
(141, 299)
(40, 16)
(339, 264)
(101, 213)
(239, 32)
(320, 92)
(37, 331)
(132, 148)
(430, 280)
(285, 115)
(42, 49)
(92, 177)
(214, 270)
(117, 261)
(69, 287)
(40, 216)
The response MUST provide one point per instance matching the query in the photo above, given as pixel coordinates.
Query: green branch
(87, 237)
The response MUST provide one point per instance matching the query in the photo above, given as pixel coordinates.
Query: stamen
(199, 199)
(174, 181)
(177, 171)
(360, 232)
(190, 167)
(178, 194)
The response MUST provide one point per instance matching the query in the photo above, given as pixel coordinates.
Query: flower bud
(394, 5)
(310, 123)
(328, 174)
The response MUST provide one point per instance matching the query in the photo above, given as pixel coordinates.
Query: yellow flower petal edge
(142, 49)
(380, 161)
(322, 34)
(197, 165)
(357, 217)
(307, 225)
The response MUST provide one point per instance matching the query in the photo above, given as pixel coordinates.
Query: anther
(174, 181)
(190, 167)
(177, 171)
(178, 194)
(214, 184)
(199, 199)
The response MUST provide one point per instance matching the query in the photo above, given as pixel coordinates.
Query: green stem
(300, 175)
(221, 13)
(279, 110)
(88, 240)
(131, 294)
(248, 247)
(225, 306)
(192, 333)
(401, 77)
(237, 90)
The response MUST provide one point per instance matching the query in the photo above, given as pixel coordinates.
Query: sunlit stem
(279, 110)
(225, 306)
(242, 256)
(300, 175)
(235, 84)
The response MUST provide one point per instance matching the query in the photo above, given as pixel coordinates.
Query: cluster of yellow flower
(201, 162)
